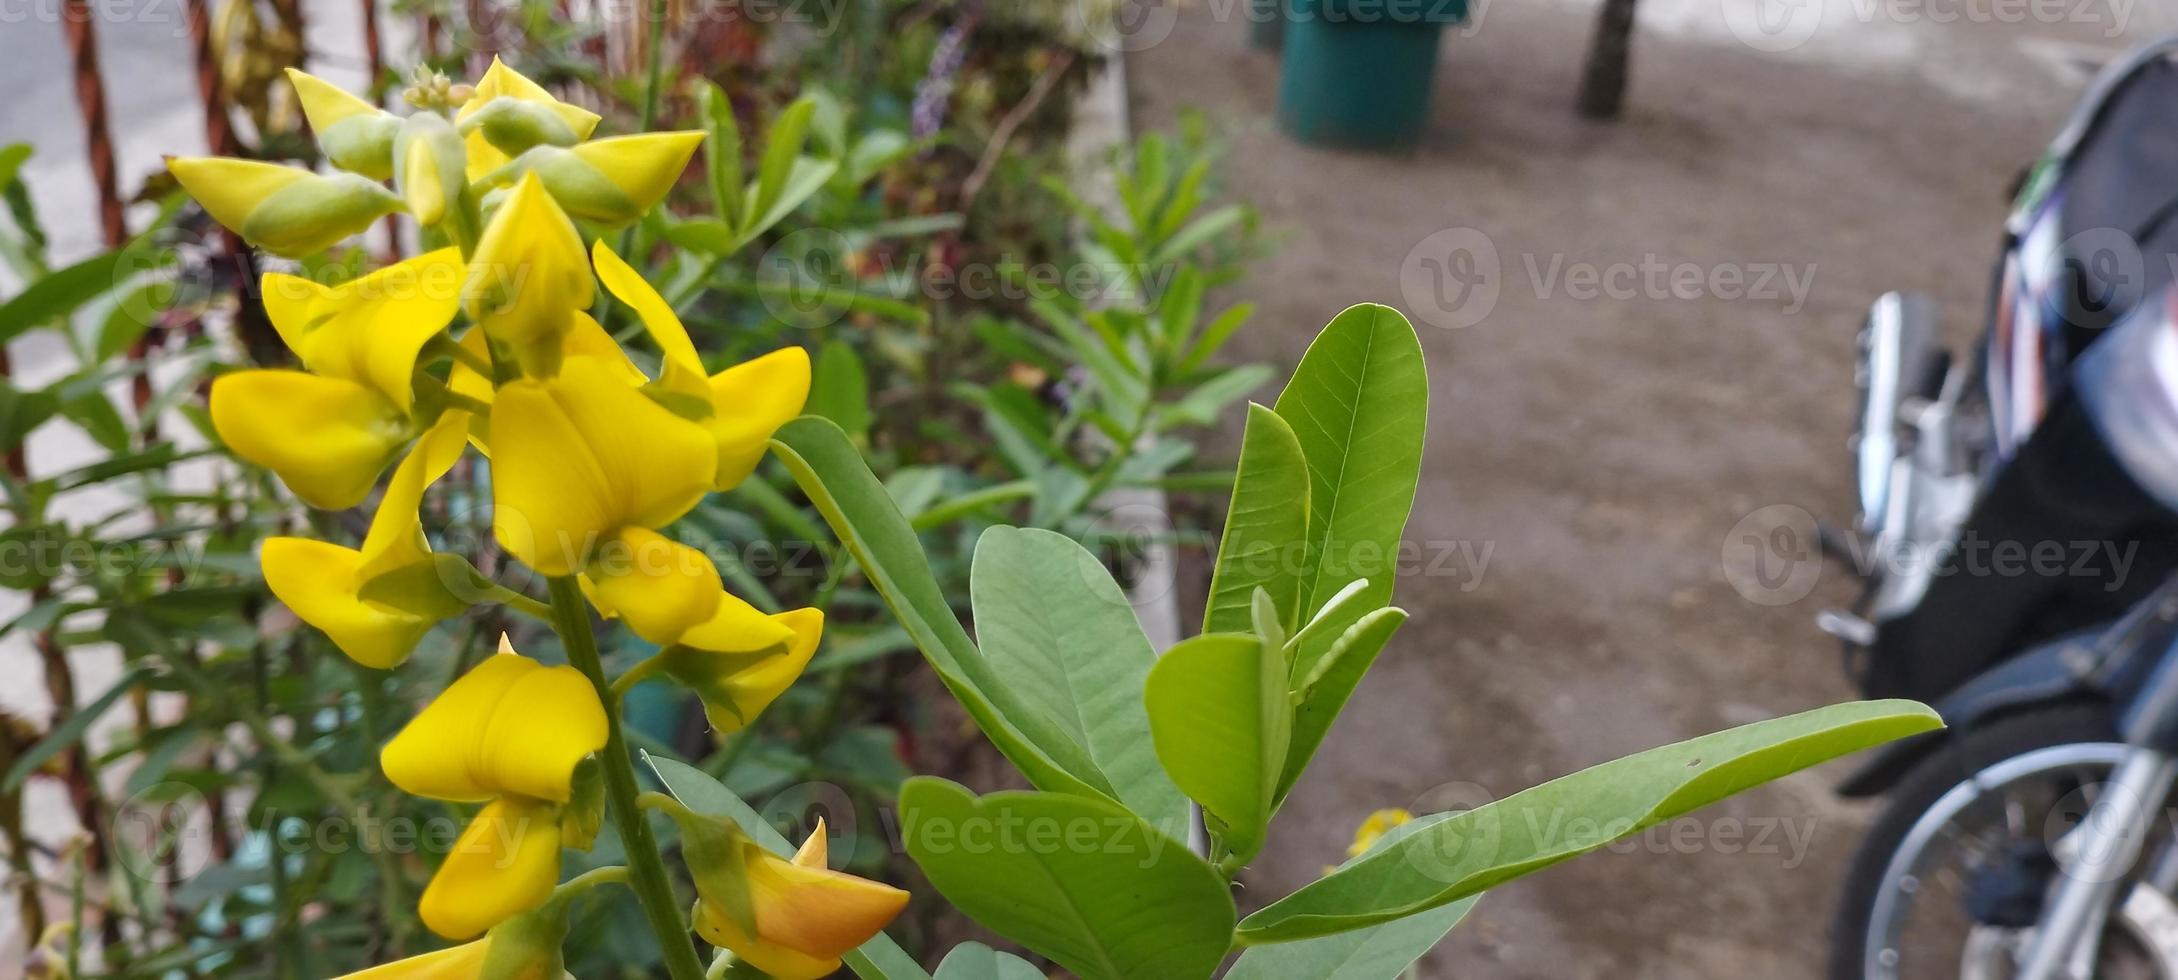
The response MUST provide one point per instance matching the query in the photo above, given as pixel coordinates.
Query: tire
(1921, 788)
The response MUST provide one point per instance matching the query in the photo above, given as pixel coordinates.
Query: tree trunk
(1610, 53)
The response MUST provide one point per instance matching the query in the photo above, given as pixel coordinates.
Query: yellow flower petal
(645, 166)
(510, 726)
(318, 582)
(434, 755)
(324, 103)
(505, 863)
(396, 536)
(501, 80)
(807, 917)
(661, 587)
(752, 400)
(528, 272)
(296, 306)
(682, 369)
(327, 438)
(578, 457)
(463, 962)
(736, 685)
(230, 189)
(371, 329)
(550, 721)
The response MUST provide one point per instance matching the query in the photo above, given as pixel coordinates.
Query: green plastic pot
(1358, 73)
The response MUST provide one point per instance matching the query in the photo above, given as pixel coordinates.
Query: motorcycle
(2027, 840)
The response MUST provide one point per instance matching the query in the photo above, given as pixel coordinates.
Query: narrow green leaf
(69, 732)
(722, 153)
(23, 411)
(1481, 848)
(782, 150)
(1060, 634)
(1074, 878)
(864, 517)
(1266, 527)
(840, 389)
(804, 180)
(878, 959)
(708, 236)
(1221, 718)
(975, 961)
(1379, 952)
(1358, 404)
(62, 291)
(1324, 692)
(1214, 336)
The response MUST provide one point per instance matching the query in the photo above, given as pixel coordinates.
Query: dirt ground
(1588, 458)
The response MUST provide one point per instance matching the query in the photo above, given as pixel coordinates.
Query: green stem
(646, 871)
(631, 677)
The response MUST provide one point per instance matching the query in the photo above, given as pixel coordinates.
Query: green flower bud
(610, 182)
(355, 135)
(514, 126)
(284, 210)
(430, 167)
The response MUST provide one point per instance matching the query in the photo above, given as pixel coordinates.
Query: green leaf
(1206, 401)
(1473, 851)
(1266, 527)
(709, 236)
(1059, 633)
(1324, 692)
(866, 520)
(878, 959)
(1221, 717)
(1358, 404)
(1074, 878)
(23, 411)
(804, 180)
(722, 153)
(69, 732)
(60, 292)
(782, 151)
(840, 389)
(1214, 336)
(1379, 952)
(975, 961)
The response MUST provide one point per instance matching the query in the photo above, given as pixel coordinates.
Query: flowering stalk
(646, 871)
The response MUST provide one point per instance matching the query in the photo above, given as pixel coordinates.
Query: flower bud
(611, 181)
(431, 167)
(793, 918)
(284, 210)
(513, 126)
(355, 135)
(528, 275)
(502, 81)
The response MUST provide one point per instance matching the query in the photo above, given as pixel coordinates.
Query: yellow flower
(509, 734)
(428, 167)
(1373, 829)
(611, 181)
(801, 916)
(528, 277)
(283, 210)
(584, 467)
(740, 661)
(328, 433)
(502, 81)
(746, 402)
(524, 947)
(323, 582)
(463, 962)
(355, 135)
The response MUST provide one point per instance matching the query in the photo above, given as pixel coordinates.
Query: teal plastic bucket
(1358, 73)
